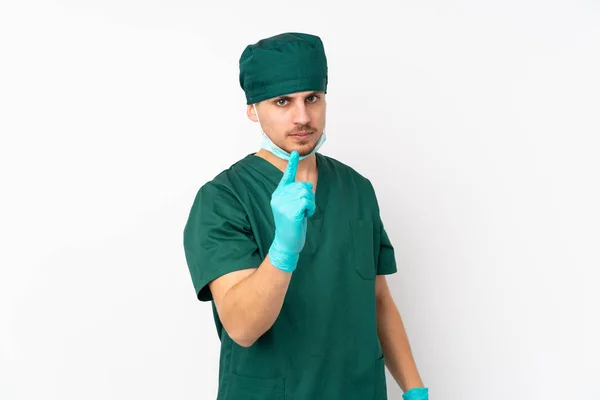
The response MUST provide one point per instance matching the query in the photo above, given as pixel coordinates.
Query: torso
(324, 343)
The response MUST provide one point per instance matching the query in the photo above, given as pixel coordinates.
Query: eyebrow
(289, 98)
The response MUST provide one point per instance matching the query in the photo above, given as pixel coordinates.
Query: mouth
(301, 134)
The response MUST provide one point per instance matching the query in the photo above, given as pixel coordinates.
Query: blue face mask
(268, 144)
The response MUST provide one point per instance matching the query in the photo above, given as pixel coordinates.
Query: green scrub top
(324, 343)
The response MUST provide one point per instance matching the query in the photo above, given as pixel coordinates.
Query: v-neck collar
(274, 174)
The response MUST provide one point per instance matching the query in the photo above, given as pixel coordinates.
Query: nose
(301, 116)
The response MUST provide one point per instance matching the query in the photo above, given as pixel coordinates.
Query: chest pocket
(363, 257)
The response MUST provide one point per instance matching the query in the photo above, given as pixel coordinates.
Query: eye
(315, 97)
(278, 102)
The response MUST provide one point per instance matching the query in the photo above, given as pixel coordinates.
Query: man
(289, 246)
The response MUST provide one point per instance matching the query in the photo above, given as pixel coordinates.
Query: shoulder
(347, 172)
(228, 179)
(224, 186)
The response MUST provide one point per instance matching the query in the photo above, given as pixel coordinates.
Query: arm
(249, 301)
(393, 338)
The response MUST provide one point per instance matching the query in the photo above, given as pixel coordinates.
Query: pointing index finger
(289, 176)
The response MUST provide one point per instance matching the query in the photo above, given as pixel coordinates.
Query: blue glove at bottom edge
(416, 394)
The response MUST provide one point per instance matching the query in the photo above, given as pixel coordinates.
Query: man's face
(294, 121)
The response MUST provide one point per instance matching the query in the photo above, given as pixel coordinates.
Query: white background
(477, 122)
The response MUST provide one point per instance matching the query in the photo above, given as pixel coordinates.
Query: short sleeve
(385, 254)
(217, 238)
(386, 263)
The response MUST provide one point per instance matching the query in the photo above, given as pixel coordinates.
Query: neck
(306, 167)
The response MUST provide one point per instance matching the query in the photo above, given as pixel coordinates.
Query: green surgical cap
(283, 64)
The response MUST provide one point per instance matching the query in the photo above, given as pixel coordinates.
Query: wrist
(284, 260)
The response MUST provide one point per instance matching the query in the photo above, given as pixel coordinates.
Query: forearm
(252, 305)
(395, 345)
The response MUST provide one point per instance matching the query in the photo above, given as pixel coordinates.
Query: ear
(250, 113)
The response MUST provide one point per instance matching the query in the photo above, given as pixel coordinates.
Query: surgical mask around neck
(268, 144)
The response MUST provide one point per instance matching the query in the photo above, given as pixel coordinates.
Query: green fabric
(283, 64)
(324, 343)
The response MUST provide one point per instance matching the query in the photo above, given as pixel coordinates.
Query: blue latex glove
(292, 203)
(416, 394)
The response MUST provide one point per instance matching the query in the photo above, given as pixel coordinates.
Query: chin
(303, 150)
